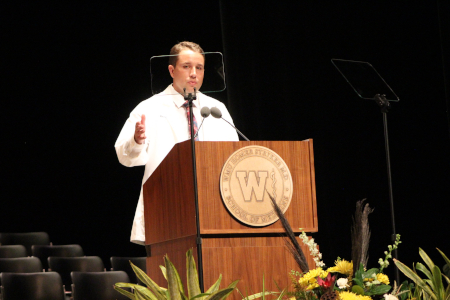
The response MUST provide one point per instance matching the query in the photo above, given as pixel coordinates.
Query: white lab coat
(166, 124)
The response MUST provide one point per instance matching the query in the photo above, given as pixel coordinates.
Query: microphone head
(216, 113)
(205, 111)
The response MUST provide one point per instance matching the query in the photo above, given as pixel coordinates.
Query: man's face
(188, 72)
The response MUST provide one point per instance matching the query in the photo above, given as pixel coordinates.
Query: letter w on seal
(252, 185)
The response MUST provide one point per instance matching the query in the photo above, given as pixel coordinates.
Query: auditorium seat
(32, 286)
(97, 285)
(13, 251)
(65, 265)
(26, 238)
(123, 264)
(44, 251)
(20, 265)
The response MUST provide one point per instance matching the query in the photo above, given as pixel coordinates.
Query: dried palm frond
(360, 235)
(291, 242)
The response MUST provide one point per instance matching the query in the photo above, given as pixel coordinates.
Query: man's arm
(131, 147)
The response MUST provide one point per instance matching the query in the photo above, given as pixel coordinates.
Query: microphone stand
(384, 105)
(191, 98)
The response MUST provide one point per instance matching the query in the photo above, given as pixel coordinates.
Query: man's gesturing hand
(139, 131)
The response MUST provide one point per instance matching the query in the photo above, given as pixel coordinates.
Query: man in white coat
(160, 122)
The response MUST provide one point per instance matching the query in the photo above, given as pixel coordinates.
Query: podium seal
(247, 177)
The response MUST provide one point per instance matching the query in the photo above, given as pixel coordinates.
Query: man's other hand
(139, 132)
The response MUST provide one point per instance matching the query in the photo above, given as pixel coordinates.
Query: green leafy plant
(175, 289)
(264, 293)
(431, 287)
(369, 282)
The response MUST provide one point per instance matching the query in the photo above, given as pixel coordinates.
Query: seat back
(13, 251)
(32, 286)
(123, 264)
(20, 265)
(44, 251)
(26, 238)
(97, 285)
(65, 265)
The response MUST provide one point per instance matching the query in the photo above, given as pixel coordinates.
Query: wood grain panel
(176, 251)
(169, 203)
(169, 192)
(249, 259)
(313, 182)
(215, 218)
(243, 257)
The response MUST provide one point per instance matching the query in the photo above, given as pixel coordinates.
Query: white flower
(312, 246)
(318, 262)
(342, 283)
(390, 297)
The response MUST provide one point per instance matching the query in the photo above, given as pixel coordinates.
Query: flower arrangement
(346, 280)
(339, 281)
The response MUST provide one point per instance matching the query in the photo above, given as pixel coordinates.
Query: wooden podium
(229, 247)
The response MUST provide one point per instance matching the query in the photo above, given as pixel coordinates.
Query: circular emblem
(248, 177)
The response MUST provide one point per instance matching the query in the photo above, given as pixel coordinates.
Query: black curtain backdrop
(283, 86)
(72, 72)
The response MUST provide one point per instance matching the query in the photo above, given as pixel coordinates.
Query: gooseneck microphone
(216, 113)
(205, 112)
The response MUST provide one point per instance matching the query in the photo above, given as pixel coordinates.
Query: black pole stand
(384, 104)
(191, 98)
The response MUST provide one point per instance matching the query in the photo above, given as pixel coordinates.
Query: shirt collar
(178, 99)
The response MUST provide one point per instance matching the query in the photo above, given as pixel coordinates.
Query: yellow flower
(309, 280)
(332, 269)
(312, 286)
(380, 277)
(343, 267)
(383, 278)
(352, 296)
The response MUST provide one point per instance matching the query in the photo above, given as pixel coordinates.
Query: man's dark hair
(180, 47)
